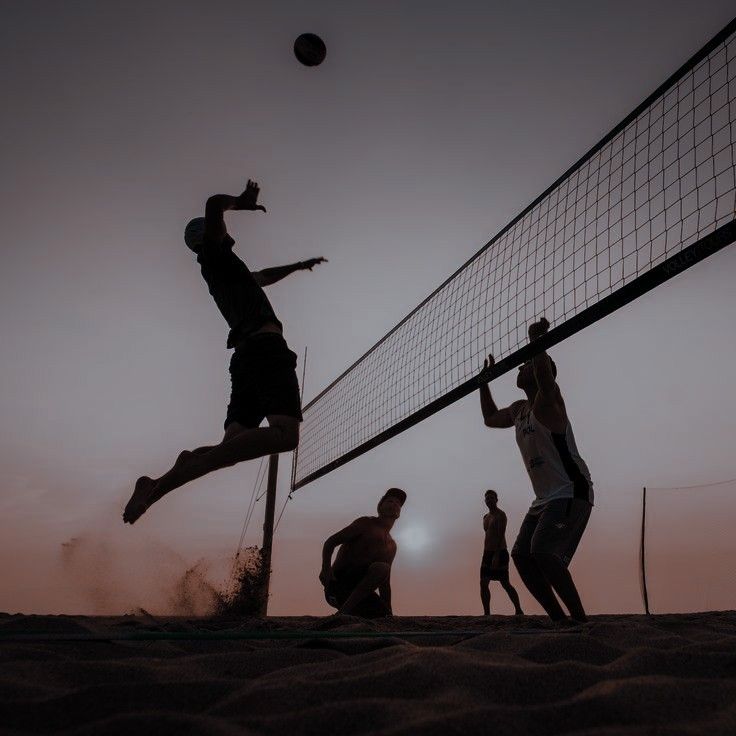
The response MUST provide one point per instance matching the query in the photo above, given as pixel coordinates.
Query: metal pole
(642, 551)
(295, 454)
(273, 471)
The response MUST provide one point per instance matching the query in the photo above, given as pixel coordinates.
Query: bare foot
(141, 499)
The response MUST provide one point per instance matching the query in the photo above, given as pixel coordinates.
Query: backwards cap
(395, 493)
(194, 234)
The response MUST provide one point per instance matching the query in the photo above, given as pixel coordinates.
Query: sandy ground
(673, 674)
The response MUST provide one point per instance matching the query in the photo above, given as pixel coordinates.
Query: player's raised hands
(248, 199)
(537, 329)
(310, 263)
(485, 375)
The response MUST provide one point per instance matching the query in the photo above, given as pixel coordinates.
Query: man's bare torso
(494, 523)
(373, 544)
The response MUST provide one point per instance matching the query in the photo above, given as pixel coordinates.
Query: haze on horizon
(422, 134)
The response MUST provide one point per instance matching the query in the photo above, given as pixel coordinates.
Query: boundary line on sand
(263, 635)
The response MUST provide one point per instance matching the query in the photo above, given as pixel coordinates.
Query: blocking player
(554, 525)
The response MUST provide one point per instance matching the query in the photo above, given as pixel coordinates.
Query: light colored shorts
(555, 528)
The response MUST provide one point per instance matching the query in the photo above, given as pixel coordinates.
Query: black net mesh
(660, 181)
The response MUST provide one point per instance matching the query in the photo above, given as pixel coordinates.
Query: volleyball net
(688, 548)
(652, 198)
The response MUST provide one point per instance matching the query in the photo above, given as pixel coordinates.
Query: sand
(673, 674)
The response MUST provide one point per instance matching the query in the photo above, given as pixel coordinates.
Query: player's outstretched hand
(485, 375)
(248, 199)
(537, 329)
(310, 263)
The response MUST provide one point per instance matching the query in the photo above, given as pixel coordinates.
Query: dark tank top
(242, 302)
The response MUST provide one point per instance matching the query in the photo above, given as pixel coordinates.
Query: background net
(690, 547)
(660, 182)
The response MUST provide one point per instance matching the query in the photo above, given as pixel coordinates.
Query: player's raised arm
(345, 535)
(492, 415)
(218, 204)
(214, 221)
(268, 276)
(541, 363)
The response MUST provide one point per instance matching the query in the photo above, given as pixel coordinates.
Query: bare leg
(232, 429)
(513, 595)
(145, 486)
(558, 576)
(485, 595)
(536, 583)
(281, 435)
(376, 574)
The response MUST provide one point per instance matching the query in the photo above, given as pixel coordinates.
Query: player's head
(525, 379)
(491, 498)
(391, 503)
(194, 234)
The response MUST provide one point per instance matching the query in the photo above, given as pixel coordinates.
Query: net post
(642, 552)
(273, 471)
(295, 454)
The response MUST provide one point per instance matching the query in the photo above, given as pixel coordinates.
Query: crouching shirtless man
(363, 562)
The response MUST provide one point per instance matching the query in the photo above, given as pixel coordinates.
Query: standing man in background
(495, 562)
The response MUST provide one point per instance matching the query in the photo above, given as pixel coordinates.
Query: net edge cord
(674, 265)
(698, 56)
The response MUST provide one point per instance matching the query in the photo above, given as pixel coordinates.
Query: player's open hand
(310, 263)
(537, 329)
(485, 375)
(249, 198)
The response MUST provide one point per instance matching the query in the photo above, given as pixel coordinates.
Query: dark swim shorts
(264, 382)
(345, 582)
(555, 528)
(495, 573)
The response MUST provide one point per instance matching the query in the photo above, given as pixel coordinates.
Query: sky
(424, 132)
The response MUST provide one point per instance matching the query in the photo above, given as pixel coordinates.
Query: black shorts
(500, 572)
(264, 382)
(345, 582)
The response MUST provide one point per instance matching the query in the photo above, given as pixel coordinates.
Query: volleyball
(310, 49)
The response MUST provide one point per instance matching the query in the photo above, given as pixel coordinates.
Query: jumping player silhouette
(262, 368)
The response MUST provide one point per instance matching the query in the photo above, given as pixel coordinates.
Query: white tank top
(552, 460)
